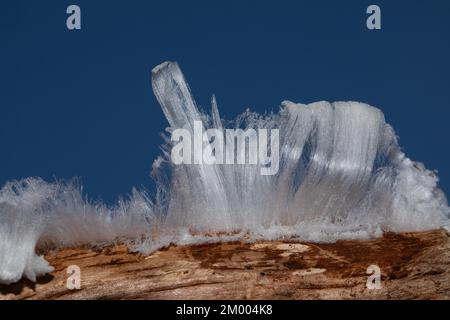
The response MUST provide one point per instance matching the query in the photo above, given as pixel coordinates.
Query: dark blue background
(79, 103)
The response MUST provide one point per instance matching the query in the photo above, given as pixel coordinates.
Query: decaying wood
(413, 266)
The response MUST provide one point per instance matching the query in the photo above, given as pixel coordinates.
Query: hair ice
(341, 175)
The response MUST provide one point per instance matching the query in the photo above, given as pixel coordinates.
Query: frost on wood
(341, 175)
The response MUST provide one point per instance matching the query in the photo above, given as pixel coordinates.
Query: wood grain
(413, 266)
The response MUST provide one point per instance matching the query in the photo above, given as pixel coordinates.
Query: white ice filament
(341, 175)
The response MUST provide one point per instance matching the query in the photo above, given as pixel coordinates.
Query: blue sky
(79, 103)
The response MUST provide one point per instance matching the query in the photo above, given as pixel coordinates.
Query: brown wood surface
(413, 266)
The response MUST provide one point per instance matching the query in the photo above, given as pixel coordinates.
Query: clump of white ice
(341, 175)
(34, 213)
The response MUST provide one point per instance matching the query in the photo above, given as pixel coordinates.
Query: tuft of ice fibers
(342, 175)
(35, 214)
